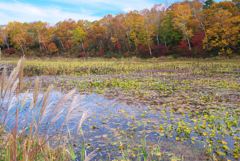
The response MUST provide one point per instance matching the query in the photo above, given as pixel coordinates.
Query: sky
(53, 11)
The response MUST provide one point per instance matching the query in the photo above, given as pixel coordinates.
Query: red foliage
(143, 51)
(196, 44)
(9, 51)
(100, 52)
(183, 49)
(183, 45)
(160, 50)
(82, 55)
(157, 50)
(117, 45)
(197, 40)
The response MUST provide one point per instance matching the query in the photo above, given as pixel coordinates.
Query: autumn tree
(96, 38)
(52, 48)
(4, 39)
(119, 36)
(237, 3)
(40, 34)
(110, 38)
(140, 32)
(63, 33)
(79, 36)
(183, 27)
(182, 16)
(169, 36)
(150, 25)
(155, 17)
(1, 37)
(223, 28)
(134, 23)
(18, 35)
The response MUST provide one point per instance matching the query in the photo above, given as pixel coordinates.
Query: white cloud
(77, 9)
(23, 12)
(123, 5)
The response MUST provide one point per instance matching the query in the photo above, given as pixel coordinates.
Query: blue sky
(53, 11)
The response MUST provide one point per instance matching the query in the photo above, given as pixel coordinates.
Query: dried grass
(26, 144)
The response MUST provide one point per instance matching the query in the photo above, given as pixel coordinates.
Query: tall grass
(26, 142)
(81, 67)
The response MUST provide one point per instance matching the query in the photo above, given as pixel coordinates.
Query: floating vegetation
(152, 109)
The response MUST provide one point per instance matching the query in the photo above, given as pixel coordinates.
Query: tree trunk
(158, 43)
(23, 53)
(83, 47)
(136, 49)
(189, 44)
(6, 42)
(39, 42)
(165, 43)
(150, 50)
(44, 46)
(62, 44)
(128, 44)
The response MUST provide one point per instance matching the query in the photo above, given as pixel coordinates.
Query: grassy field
(198, 99)
(79, 67)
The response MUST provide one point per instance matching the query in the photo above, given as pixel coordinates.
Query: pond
(113, 128)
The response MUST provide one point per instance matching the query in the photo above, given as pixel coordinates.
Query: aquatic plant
(191, 101)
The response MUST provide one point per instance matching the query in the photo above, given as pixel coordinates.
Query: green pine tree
(208, 4)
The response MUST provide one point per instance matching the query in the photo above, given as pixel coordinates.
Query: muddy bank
(181, 90)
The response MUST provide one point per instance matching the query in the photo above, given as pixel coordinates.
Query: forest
(187, 29)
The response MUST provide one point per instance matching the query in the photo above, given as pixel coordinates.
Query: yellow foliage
(222, 30)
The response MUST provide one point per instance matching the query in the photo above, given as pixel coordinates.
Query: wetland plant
(26, 142)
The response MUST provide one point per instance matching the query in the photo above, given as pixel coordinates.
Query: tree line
(188, 28)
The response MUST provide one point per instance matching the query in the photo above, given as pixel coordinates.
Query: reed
(26, 143)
